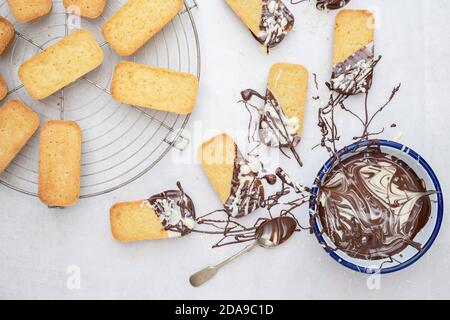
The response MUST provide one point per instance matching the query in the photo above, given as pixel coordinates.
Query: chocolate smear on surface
(275, 129)
(326, 4)
(247, 191)
(276, 21)
(355, 74)
(176, 211)
(331, 4)
(372, 205)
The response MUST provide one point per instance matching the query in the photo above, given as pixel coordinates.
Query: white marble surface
(38, 246)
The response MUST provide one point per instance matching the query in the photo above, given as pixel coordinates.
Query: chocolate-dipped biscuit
(268, 20)
(353, 52)
(233, 177)
(170, 214)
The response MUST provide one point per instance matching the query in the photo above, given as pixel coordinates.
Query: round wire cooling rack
(120, 142)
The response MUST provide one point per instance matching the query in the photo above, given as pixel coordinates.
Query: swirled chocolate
(247, 191)
(331, 4)
(176, 211)
(372, 205)
(355, 74)
(276, 21)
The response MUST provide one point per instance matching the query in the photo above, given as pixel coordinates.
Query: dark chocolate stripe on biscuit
(175, 209)
(355, 74)
(276, 21)
(247, 191)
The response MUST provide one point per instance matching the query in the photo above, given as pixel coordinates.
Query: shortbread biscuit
(60, 163)
(135, 221)
(250, 12)
(61, 64)
(169, 214)
(7, 35)
(353, 52)
(354, 29)
(217, 156)
(28, 10)
(3, 88)
(18, 123)
(137, 22)
(87, 8)
(235, 179)
(289, 84)
(155, 88)
(268, 20)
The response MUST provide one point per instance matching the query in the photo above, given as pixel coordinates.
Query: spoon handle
(202, 276)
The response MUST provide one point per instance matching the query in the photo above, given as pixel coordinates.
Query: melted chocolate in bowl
(371, 205)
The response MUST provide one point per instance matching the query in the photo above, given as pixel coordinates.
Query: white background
(38, 245)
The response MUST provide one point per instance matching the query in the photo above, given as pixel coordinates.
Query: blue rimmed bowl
(426, 236)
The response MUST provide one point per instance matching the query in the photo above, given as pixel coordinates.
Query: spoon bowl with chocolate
(376, 206)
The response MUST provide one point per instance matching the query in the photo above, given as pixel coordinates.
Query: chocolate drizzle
(355, 74)
(275, 128)
(247, 191)
(331, 4)
(326, 4)
(372, 205)
(176, 211)
(276, 21)
(234, 232)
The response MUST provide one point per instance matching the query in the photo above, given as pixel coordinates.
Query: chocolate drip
(372, 205)
(331, 4)
(326, 4)
(247, 191)
(275, 128)
(176, 211)
(355, 74)
(233, 232)
(276, 22)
